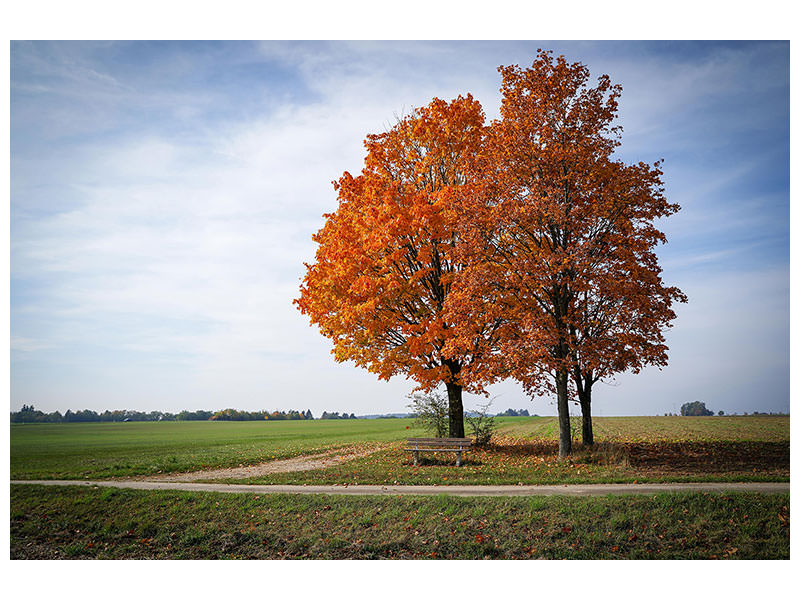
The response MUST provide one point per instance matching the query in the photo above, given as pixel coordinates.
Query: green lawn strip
(106, 450)
(393, 466)
(79, 522)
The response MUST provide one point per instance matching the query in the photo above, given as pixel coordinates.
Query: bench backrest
(440, 442)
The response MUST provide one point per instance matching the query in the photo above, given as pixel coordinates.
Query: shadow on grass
(707, 456)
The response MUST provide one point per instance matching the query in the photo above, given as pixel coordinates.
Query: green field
(102, 450)
(628, 449)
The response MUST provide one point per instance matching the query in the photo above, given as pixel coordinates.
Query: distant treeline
(29, 414)
(336, 415)
(514, 413)
(231, 414)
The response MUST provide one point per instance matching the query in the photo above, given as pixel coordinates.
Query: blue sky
(163, 198)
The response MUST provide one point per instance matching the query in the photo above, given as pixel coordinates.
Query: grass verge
(75, 523)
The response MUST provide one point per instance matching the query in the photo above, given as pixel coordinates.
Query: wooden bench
(457, 445)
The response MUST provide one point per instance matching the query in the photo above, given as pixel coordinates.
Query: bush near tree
(482, 425)
(430, 412)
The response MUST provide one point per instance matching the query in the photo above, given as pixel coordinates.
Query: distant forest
(29, 414)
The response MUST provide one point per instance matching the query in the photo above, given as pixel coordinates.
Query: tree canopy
(389, 263)
(569, 237)
(465, 253)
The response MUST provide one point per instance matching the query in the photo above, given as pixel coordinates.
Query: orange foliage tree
(463, 254)
(567, 238)
(624, 306)
(385, 283)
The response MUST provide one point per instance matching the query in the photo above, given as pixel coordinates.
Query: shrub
(482, 425)
(430, 412)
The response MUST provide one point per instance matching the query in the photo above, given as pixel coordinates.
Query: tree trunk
(565, 437)
(455, 410)
(585, 397)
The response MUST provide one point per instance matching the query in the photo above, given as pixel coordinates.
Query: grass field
(75, 523)
(663, 429)
(103, 450)
(525, 450)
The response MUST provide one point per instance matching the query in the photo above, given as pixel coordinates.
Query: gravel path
(432, 490)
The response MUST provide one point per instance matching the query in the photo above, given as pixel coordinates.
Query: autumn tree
(622, 312)
(462, 254)
(568, 240)
(388, 267)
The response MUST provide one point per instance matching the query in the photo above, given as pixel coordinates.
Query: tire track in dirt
(298, 463)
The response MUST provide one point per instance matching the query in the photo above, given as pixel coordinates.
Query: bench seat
(457, 445)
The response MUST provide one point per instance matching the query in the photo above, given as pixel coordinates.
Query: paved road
(433, 490)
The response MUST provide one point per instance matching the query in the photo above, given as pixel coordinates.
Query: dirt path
(433, 490)
(298, 463)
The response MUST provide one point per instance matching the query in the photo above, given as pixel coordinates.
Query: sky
(164, 195)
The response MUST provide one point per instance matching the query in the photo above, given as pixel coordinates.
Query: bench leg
(416, 458)
(458, 458)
